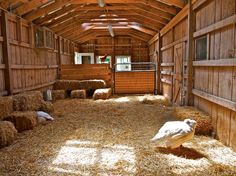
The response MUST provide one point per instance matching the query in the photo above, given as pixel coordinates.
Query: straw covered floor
(111, 137)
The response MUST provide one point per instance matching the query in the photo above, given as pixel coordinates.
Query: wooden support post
(190, 52)
(59, 55)
(159, 59)
(113, 52)
(6, 52)
(31, 35)
(19, 30)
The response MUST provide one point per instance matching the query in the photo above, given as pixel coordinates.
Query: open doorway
(84, 58)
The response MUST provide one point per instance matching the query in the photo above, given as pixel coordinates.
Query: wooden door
(178, 74)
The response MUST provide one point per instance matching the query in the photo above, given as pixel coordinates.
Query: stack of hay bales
(7, 133)
(23, 120)
(78, 94)
(6, 106)
(28, 101)
(204, 125)
(18, 113)
(102, 94)
(75, 84)
(58, 95)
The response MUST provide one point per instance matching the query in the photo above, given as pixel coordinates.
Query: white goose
(44, 115)
(175, 133)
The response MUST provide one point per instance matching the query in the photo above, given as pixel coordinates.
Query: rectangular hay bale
(6, 106)
(23, 120)
(78, 94)
(58, 95)
(102, 94)
(76, 84)
(28, 101)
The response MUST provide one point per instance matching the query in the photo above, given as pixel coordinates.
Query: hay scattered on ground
(75, 84)
(111, 137)
(6, 106)
(78, 94)
(204, 125)
(102, 94)
(23, 120)
(28, 101)
(7, 133)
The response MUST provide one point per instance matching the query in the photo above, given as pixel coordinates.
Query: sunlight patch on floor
(218, 154)
(184, 166)
(77, 156)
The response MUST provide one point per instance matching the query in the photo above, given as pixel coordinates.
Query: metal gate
(134, 77)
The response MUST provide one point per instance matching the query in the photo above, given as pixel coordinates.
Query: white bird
(44, 115)
(175, 133)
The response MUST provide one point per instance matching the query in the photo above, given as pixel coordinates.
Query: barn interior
(110, 73)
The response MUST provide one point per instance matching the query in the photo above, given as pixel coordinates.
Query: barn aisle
(111, 137)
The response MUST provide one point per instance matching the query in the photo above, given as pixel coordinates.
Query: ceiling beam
(47, 9)
(28, 6)
(144, 30)
(176, 3)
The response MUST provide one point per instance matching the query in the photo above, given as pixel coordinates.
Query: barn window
(123, 63)
(49, 39)
(39, 37)
(201, 48)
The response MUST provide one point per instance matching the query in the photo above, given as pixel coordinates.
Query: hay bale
(156, 100)
(204, 125)
(75, 84)
(6, 106)
(23, 120)
(58, 95)
(27, 101)
(92, 84)
(78, 94)
(7, 133)
(102, 94)
(47, 107)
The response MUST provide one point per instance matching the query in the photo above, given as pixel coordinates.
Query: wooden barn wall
(28, 67)
(120, 45)
(214, 79)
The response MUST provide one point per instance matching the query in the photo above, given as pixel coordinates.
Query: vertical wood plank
(190, 53)
(6, 52)
(159, 61)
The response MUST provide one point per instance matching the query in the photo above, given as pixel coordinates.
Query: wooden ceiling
(83, 20)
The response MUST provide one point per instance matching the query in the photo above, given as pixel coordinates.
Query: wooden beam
(144, 30)
(231, 62)
(44, 19)
(149, 9)
(159, 61)
(42, 11)
(154, 38)
(190, 55)
(154, 4)
(28, 6)
(179, 17)
(176, 3)
(6, 52)
(216, 26)
(214, 99)
(59, 56)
